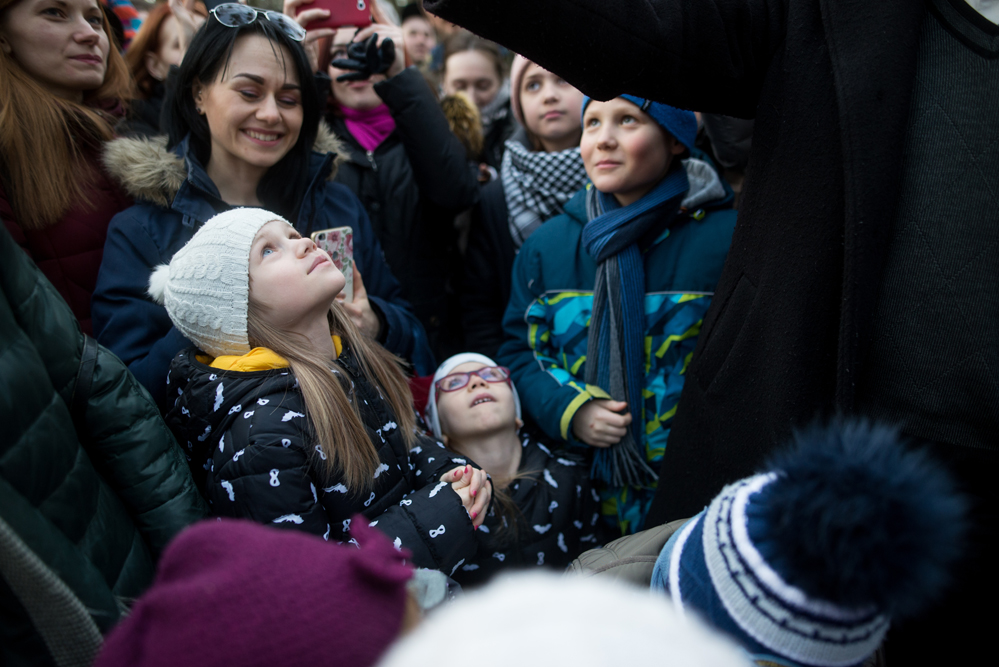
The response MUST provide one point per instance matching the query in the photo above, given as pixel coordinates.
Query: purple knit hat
(233, 592)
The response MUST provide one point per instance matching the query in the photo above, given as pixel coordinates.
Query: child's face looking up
(626, 153)
(292, 281)
(478, 409)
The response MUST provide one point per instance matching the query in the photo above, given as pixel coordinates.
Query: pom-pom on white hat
(206, 286)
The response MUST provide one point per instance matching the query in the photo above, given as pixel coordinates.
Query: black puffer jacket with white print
(557, 516)
(253, 455)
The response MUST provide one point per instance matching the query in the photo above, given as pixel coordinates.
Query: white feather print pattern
(550, 479)
(228, 489)
(542, 529)
(291, 414)
(437, 488)
(339, 488)
(561, 543)
(289, 518)
(382, 467)
(218, 398)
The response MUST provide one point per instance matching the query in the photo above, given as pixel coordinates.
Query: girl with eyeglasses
(62, 88)
(244, 129)
(544, 511)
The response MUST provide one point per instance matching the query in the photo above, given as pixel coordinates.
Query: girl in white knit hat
(290, 416)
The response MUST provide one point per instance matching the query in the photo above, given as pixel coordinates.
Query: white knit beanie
(206, 286)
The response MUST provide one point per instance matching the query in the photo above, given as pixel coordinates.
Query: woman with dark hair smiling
(243, 118)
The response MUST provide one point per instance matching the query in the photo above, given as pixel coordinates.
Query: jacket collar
(176, 179)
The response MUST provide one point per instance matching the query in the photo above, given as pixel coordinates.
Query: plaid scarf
(537, 185)
(615, 351)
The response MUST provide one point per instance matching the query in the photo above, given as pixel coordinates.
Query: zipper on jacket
(371, 159)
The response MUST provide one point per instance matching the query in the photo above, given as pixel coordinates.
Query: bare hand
(312, 37)
(359, 310)
(601, 422)
(474, 488)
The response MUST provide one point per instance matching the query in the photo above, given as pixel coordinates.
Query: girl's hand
(312, 37)
(474, 488)
(601, 422)
(359, 309)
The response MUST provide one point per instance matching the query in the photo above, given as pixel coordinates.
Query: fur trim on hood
(150, 172)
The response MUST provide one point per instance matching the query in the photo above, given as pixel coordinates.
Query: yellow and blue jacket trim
(548, 318)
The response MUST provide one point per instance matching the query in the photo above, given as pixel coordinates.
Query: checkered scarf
(537, 185)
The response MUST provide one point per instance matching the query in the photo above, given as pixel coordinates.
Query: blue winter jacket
(547, 320)
(175, 197)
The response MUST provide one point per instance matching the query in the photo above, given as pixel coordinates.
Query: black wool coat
(829, 84)
(254, 455)
(485, 285)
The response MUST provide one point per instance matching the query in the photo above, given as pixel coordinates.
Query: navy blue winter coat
(174, 198)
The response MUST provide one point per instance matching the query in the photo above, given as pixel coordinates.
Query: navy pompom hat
(808, 563)
(681, 124)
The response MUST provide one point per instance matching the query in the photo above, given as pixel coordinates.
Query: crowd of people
(688, 296)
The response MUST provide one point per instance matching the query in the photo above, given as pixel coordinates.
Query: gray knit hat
(206, 286)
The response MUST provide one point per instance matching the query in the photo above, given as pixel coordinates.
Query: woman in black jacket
(408, 170)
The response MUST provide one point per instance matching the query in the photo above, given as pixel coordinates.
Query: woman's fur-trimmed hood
(150, 172)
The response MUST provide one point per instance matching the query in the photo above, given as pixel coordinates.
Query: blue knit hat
(806, 564)
(679, 123)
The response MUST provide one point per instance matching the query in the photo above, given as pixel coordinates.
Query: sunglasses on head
(456, 381)
(234, 15)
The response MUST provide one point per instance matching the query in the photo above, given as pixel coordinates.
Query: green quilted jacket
(95, 499)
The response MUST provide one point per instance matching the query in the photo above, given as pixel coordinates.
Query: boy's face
(626, 153)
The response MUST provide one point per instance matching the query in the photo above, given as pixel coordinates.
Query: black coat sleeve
(708, 55)
(437, 157)
(485, 287)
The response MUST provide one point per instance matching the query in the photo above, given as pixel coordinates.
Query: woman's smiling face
(254, 106)
(59, 43)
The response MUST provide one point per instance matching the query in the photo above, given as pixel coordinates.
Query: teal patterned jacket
(547, 320)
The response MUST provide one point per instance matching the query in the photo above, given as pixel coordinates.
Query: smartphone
(355, 13)
(339, 243)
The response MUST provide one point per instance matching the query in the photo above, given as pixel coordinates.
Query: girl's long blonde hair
(43, 137)
(334, 414)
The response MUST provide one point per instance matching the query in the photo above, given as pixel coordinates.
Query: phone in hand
(355, 13)
(339, 243)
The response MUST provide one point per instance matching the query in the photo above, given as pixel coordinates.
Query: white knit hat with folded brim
(206, 286)
(433, 418)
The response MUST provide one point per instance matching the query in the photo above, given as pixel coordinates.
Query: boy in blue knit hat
(607, 299)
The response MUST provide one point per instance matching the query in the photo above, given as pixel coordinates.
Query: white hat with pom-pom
(206, 286)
